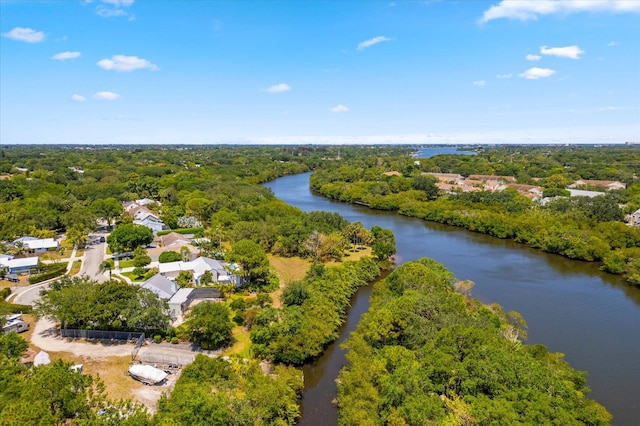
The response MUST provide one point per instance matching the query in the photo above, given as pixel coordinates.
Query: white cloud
(612, 43)
(531, 57)
(62, 56)
(339, 108)
(610, 108)
(78, 98)
(126, 63)
(119, 3)
(532, 9)
(106, 96)
(277, 88)
(504, 75)
(109, 13)
(372, 41)
(25, 34)
(571, 52)
(479, 83)
(536, 73)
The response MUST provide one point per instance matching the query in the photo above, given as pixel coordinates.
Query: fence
(136, 347)
(102, 334)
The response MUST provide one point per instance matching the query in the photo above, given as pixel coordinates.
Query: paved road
(29, 295)
(94, 255)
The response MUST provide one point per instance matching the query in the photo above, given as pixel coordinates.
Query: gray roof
(162, 286)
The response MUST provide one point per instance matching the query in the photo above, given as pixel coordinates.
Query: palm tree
(107, 265)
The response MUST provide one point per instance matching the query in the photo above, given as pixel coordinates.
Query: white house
(36, 245)
(151, 221)
(635, 218)
(198, 268)
(16, 266)
(179, 302)
(162, 286)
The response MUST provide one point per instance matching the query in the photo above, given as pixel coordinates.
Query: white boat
(147, 374)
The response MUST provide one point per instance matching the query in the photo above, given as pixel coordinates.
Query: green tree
(107, 209)
(254, 265)
(209, 324)
(169, 256)
(12, 345)
(129, 236)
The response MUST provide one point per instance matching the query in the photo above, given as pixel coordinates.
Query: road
(94, 255)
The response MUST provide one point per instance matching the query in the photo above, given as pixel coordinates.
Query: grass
(287, 269)
(353, 255)
(75, 268)
(241, 344)
(132, 276)
(126, 264)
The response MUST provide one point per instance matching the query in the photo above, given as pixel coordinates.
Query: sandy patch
(45, 336)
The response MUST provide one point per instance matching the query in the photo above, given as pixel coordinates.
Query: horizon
(126, 72)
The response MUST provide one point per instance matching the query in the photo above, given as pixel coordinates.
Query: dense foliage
(217, 392)
(314, 310)
(209, 325)
(425, 354)
(113, 305)
(582, 228)
(56, 395)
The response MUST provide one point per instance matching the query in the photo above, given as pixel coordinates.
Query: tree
(107, 209)
(427, 184)
(184, 279)
(129, 236)
(252, 260)
(384, 243)
(107, 265)
(169, 256)
(208, 324)
(12, 345)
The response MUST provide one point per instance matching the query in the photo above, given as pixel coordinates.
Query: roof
(40, 244)
(392, 173)
(198, 266)
(173, 237)
(603, 183)
(493, 177)
(581, 193)
(181, 296)
(445, 176)
(24, 262)
(162, 286)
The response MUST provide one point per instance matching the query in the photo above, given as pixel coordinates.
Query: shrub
(157, 338)
(5, 292)
(174, 340)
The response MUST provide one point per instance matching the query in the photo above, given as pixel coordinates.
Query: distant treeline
(590, 229)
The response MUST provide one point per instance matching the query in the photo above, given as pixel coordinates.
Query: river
(570, 306)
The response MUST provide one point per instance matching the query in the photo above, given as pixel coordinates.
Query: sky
(299, 72)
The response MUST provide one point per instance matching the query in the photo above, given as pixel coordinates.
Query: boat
(147, 374)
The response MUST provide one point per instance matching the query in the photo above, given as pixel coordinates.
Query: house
(172, 242)
(162, 286)
(179, 302)
(17, 266)
(153, 222)
(606, 184)
(140, 212)
(635, 218)
(493, 178)
(446, 177)
(198, 268)
(583, 193)
(145, 201)
(531, 191)
(392, 173)
(36, 245)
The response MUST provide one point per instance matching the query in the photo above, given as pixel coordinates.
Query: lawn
(75, 268)
(126, 264)
(242, 343)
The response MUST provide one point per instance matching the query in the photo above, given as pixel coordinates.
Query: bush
(157, 338)
(5, 292)
(174, 340)
(54, 271)
(169, 256)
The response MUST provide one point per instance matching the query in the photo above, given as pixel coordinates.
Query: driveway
(94, 255)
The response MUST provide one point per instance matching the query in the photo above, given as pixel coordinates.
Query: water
(570, 306)
(437, 150)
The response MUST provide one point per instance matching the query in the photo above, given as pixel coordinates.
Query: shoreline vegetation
(425, 353)
(580, 228)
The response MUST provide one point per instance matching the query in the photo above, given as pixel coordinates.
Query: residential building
(606, 184)
(162, 286)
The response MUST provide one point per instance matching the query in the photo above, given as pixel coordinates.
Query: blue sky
(125, 71)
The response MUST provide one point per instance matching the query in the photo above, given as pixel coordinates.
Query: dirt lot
(108, 360)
